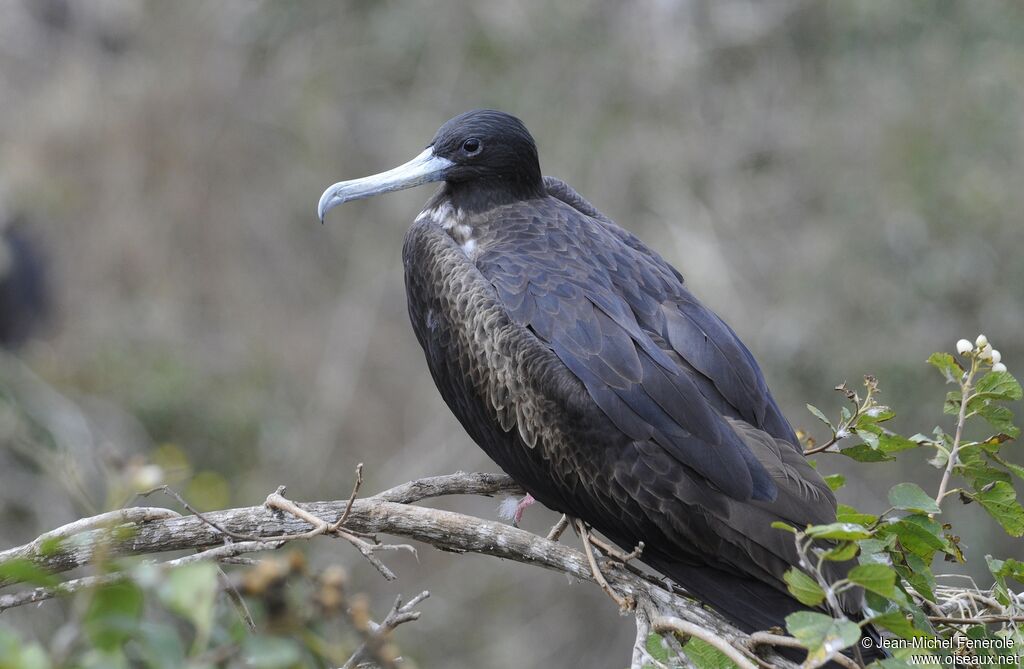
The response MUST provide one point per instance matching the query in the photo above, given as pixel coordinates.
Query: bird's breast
(454, 221)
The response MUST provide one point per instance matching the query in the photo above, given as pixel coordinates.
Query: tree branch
(149, 531)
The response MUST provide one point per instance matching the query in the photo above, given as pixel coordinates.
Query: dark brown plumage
(576, 357)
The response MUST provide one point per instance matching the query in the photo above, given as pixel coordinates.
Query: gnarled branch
(391, 512)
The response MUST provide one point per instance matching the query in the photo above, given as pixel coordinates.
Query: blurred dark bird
(24, 289)
(576, 357)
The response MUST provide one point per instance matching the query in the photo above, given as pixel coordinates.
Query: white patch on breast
(453, 221)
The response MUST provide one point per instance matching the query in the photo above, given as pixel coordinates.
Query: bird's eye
(472, 146)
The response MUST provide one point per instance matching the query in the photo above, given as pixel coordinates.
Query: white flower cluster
(983, 350)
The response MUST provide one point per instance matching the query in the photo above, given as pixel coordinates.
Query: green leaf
(998, 386)
(841, 531)
(191, 592)
(897, 623)
(1008, 568)
(891, 442)
(656, 649)
(948, 365)
(803, 587)
(973, 465)
(1000, 500)
(846, 550)
(822, 635)
(848, 514)
(910, 497)
(877, 578)
(779, 525)
(23, 570)
(1015, 468)
(864, 453)
(705, 656)
(819, 415)
(951, 407)
(835, 481)
(876, 414)
(113, 614)
(917, 573)
(914, 538)
(1000, 418)
(871, 434)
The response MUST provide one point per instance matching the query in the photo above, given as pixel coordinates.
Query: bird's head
(485, 152)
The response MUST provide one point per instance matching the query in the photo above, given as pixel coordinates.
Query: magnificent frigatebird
(576, 357)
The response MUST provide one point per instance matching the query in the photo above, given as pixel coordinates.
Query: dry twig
(374, 635)
(624, 603)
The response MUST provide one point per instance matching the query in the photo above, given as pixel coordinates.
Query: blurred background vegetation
(841, 181)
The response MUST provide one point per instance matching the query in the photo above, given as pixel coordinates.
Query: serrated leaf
(819, 415)
(947, 366)
(864, 453)
(998, 386)
(803, 587)
(910, 497)
(914, 538)
(839, 531)
(974, 467)
(1000, 418)
(928, 524)
(835, 481)
(822, 635)
(1000, 500)
(877, 578)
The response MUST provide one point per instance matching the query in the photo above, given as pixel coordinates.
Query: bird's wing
(724, 368)
(658, 364)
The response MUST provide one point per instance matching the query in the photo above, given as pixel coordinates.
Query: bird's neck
(480, 195)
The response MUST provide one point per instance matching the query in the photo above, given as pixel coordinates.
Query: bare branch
(74, 585)
(152, 533)
(459, 483)
(102, 523)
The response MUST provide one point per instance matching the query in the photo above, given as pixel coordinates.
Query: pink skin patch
(524, 503)
(513, 509)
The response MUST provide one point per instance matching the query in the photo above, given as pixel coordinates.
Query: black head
(485, 157)
(489, 149)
